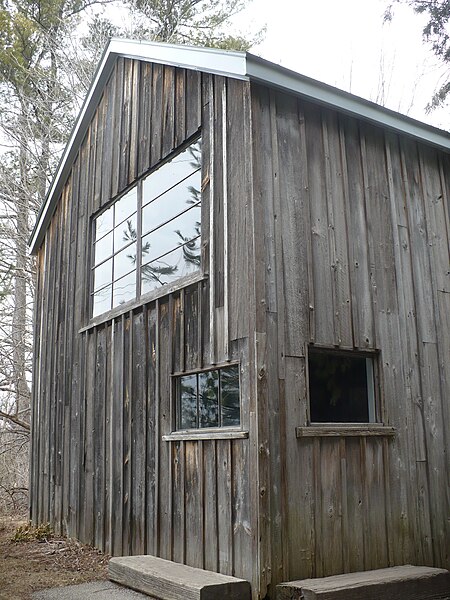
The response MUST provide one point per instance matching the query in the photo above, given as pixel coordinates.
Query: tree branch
(15, 420)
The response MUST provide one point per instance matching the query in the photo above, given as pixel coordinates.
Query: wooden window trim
(345, 430)
(151, 296)
(378, 406)
(219, 433)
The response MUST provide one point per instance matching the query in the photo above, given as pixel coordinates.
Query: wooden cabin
(242, 330)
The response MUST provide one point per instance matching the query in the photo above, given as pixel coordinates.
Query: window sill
(220, 434)
(155, 294)
(345, 430)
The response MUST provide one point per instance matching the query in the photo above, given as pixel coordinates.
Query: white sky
(346, 44)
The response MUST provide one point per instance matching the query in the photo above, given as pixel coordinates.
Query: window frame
(373, 395)
(221, 431)
(141, 298)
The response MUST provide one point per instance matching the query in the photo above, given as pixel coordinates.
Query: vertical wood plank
(361, 302)
(330, 489)
(156, 115)
(180, 106)
(168, 111)
(237, 160)
(117, 126)
(134, 121)
(145, 111)
(164, 458)
(97, 174)
(117, 485)
(224, 500)
(321, 262)
(108, 145)
(211, 506)
(127, 456)
(99, 433)
(152, 430)
(139, 430)
(193, 101)
(179, 512)
(194, 500)
(125, 131)
(300, 477)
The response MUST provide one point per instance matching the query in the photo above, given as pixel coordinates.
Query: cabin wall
(356, 255)
(101, 471)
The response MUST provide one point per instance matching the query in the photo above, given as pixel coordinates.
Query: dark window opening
(341, 387)
(209, 399)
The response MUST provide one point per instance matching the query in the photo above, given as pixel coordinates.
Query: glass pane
(125, 232)
(338, 388)
(188, 402)
(180, 167)
(126, 206)
(103, 248)
(168, 269)
(124, 289)
(101, 301)
(103, 274)
(103, 223)
(124, 261)
(177, 199)
(208, 398)
(229, 384)
(168, 237)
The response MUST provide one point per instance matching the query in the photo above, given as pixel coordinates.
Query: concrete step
(395, 583)
(167, 580)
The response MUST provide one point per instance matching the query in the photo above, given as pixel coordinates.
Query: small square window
(209, 399)
(341, 387)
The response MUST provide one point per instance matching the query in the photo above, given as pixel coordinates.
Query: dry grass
(34, 564)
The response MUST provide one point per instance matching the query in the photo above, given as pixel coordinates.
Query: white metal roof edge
(239, 65)
(265, 72)
(229, 63)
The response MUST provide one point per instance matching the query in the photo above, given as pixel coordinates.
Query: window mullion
(219, 396)
(139, 240)
(198, 403)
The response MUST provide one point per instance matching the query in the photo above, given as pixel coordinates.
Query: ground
(30, 565)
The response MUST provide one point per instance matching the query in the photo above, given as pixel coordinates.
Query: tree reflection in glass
(230, 404)
(171, 247)
(158, 221)
(208, 398)
(188, 402)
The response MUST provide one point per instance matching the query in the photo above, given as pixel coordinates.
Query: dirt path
(32, 565)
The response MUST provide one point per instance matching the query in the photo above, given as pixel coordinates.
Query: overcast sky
(345, 43)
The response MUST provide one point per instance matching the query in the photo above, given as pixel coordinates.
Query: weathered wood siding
(102, 394)
(316, 228)
(356, 255)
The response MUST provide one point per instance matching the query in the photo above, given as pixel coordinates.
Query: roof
(237, 65)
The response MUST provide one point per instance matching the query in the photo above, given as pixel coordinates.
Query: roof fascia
(208, 60)
(264, 72)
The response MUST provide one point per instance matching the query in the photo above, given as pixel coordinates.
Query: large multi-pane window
(150, 236)
(208, 399)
